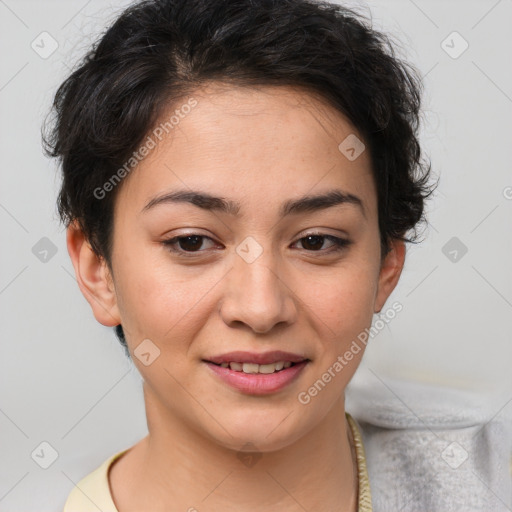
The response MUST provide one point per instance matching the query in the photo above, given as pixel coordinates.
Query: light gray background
(64, 378)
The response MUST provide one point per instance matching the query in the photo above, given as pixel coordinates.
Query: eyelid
(339, 243)
(169, 242)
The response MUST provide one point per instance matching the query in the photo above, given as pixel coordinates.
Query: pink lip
(257, 358)
(258, 383)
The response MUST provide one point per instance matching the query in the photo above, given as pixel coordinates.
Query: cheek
(345, 301)
(157, 300)
(344, 309)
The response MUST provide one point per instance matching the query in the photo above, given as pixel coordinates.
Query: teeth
(267, 368)
(250, 368)
(257, 368)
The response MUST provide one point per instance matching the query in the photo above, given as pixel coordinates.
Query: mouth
(257, 374)
(256, 358)
(265, 369)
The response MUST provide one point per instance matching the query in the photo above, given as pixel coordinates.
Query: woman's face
(249, 279)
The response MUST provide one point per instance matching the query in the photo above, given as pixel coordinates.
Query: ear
(391, 268)
(93, 277)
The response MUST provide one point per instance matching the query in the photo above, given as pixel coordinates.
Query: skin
(259, 147)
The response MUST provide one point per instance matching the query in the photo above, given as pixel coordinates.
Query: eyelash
(340, 244)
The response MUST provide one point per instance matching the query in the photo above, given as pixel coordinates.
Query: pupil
(314, 237)
(185, 240)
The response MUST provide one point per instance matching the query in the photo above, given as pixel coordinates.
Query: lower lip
(258, 383)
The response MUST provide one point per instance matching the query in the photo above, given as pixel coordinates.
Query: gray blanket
(431, 448)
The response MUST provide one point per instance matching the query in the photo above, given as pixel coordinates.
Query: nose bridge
(260, 278)
(257, 293)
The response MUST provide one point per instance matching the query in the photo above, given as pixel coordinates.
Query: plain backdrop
(64, 379)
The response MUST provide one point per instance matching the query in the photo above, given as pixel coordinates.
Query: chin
(261, 430)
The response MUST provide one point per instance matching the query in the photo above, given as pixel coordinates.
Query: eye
(185, 244)
(316, 241)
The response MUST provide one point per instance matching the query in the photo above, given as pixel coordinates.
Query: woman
(239, 179)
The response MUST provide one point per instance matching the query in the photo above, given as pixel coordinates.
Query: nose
(258, 295)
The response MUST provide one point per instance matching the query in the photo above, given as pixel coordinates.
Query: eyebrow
(307, 203)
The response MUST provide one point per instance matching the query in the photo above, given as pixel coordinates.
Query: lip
(258, 383)
(256, 358)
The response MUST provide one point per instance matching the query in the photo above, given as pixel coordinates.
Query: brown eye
(186, 244)
(315, 242)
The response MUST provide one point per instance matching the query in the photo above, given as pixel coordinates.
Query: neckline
(364, 497)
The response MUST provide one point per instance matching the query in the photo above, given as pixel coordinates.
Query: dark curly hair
(159, 51)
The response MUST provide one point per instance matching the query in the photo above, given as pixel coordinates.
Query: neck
(178, 465)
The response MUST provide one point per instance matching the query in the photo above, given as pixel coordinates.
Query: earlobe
(93, 277)
(390, 271)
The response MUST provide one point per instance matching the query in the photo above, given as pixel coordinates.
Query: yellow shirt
(92, 493)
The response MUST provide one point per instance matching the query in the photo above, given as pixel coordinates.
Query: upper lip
(256, 358)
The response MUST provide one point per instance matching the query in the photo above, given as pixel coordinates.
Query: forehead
(250, 144)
